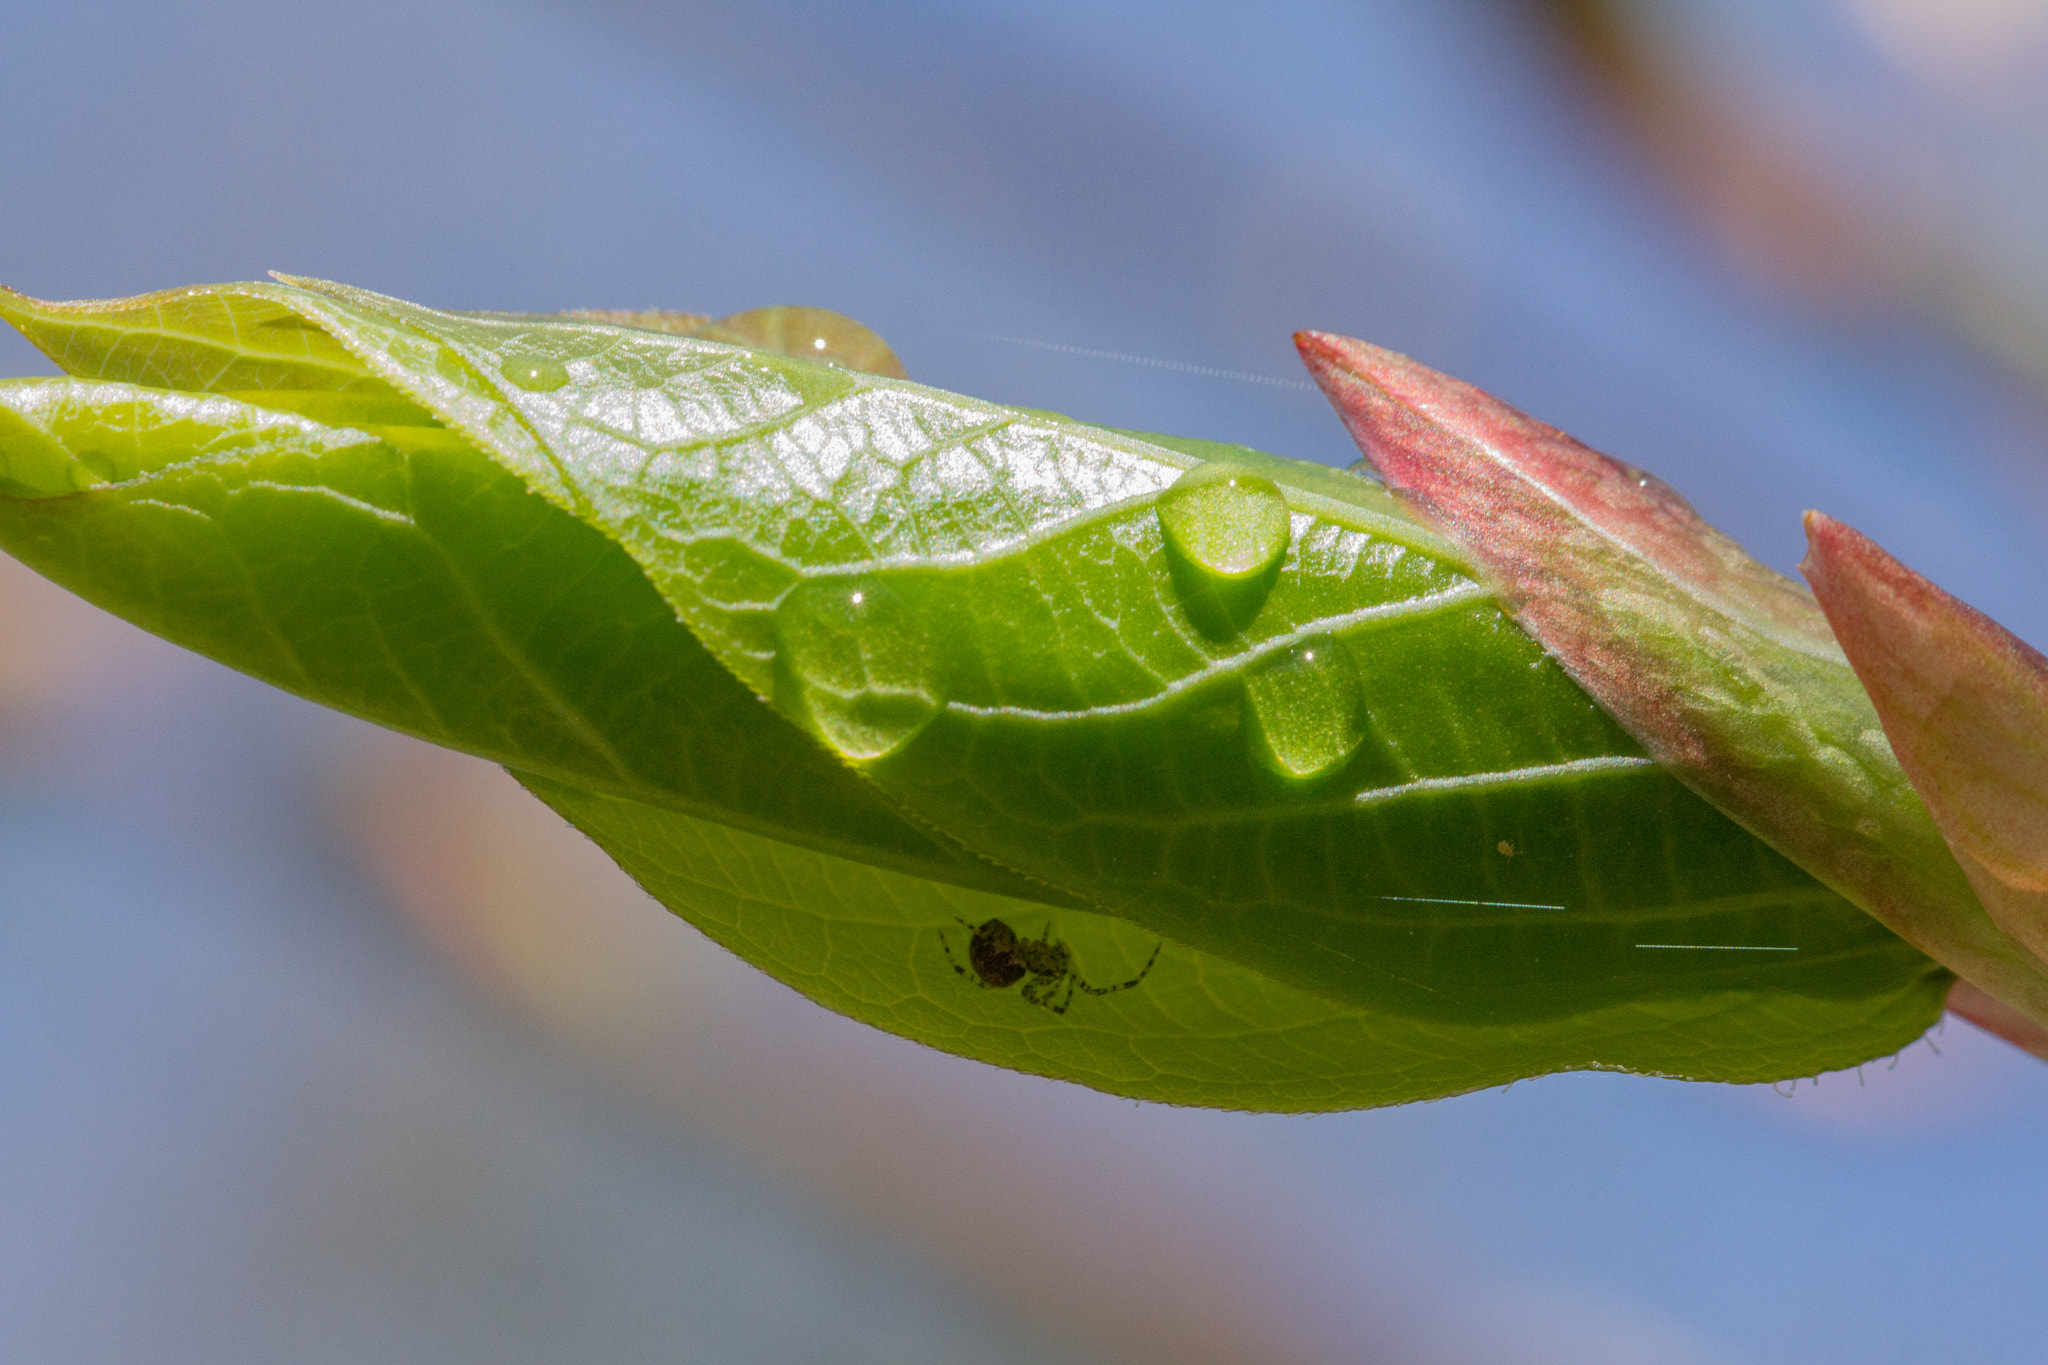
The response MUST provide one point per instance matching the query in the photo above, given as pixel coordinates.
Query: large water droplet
(1226, 530)
(1225, 520)
(535, 373)
(857, 664)
(1307, 708)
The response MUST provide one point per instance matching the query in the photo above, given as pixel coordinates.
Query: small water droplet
(1225, 520)
(534, 373)
(809, 333)
(1307, 708)
(1656, 487)
(856, 663)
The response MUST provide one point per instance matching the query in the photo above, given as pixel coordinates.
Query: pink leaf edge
(1997, 1018)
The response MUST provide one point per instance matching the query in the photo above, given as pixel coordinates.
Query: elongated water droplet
(534, 373)
(857, 664)
(1306, 708)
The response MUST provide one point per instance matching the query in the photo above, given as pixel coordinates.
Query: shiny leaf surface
(832, 662)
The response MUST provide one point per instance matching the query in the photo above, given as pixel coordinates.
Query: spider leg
(1143, 972)
(1040, 990)
(952, 962)
(1061, 1008)
(1043, 990)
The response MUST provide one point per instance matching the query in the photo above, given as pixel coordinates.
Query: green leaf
(880, 946)
(213, 339)
(1064, 677)
(404, 578)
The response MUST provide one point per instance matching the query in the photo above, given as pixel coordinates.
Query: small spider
(1000, 960)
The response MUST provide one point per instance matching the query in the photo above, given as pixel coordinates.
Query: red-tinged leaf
(1995, 1017)
(1724, 670)
(1965, 704)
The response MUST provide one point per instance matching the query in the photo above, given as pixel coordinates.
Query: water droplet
(855, 662)
(810, 334)
(1225, 520)
(1655, 487)
(1307, 708)
(535, 374)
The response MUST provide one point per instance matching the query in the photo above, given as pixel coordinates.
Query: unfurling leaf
(1726, 671)
(1965, 705)
(843, 669)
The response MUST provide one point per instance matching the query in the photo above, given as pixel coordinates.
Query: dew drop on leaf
(808, 334)
(535, 374)
(1226, 521)
(857, 664)
(1656, 487)
(1306, 708)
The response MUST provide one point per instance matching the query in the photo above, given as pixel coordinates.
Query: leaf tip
(1319, 350)
(1964, 703)
(15, 307)
(1843, 562)
(1358, 379)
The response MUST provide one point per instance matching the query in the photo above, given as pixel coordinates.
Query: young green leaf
(202, 339)
(882, 947)
(1251, 713)
(403, 577)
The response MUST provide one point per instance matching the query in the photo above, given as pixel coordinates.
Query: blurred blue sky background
(276, 1084)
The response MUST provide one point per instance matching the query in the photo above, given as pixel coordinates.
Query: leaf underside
(832, 662)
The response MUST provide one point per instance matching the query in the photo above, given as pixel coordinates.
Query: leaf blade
(207, 338)
(423, 588)
(1037, 486)
(1203, 1031)
(1138, 721)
